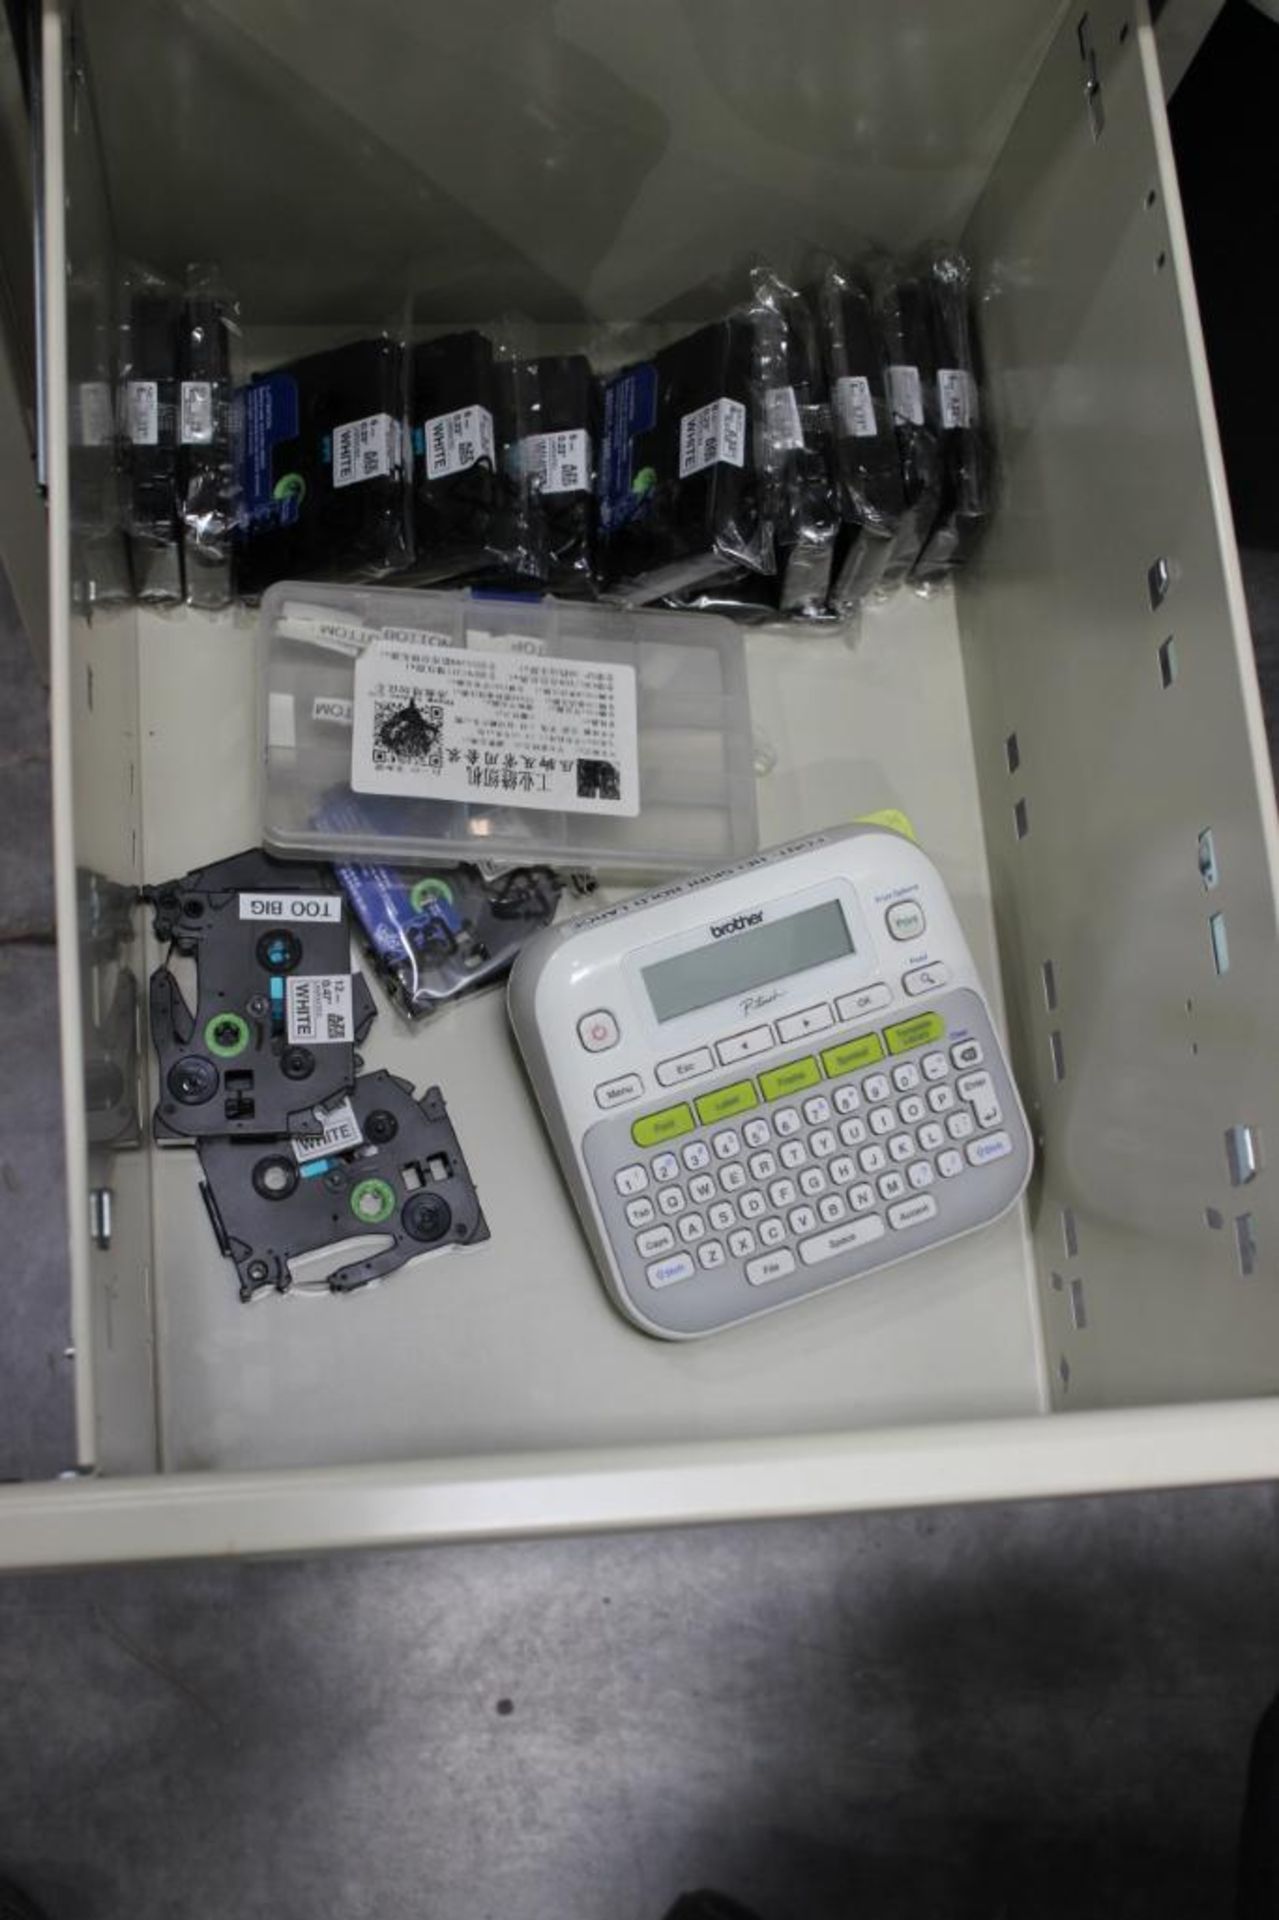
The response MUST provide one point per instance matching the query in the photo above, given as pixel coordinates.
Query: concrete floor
(1036, 1711)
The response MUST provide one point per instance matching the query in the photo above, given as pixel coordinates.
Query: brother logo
(738, 923)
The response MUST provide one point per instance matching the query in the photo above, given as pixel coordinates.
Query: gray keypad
(854, 1172)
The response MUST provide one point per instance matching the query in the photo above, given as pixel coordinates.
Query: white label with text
(291, 908)
(854, 408)
(196, 413)
(956, 397)
(425, 635)
(455, 441)
(907, 395)
(366, 449)
(483, 642)
(444, 723)
(715, 432)
(781, 409)
(94, 408)
(142, 412)
(318, 1009)
(341, 1133)
(560, 462)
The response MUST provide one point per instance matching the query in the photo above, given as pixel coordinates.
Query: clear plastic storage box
(587, 736)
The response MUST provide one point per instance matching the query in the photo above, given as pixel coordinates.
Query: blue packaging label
(630, 408)
(393, 908)
(270, 418)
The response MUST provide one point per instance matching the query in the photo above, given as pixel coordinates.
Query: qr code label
(715, 432)
(407, 734)
(196, 413)
(318, 1009)
(366, 449)
(491, 725)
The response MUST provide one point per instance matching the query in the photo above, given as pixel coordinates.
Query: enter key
(978, 1089)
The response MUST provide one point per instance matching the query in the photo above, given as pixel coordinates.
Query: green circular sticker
(430, 888)
(372, 1202)
(645, 480)
(226, 1034)
(290, 486)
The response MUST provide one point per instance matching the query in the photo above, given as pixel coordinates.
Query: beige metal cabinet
(1064, 731)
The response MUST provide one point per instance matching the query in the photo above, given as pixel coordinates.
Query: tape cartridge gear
(402, 1177)
(278, 1012)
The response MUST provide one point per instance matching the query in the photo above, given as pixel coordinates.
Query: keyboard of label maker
(807, 1163)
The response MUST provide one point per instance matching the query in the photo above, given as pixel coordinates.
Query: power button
(598, 1031)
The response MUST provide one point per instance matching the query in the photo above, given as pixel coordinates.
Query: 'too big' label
(291, 907)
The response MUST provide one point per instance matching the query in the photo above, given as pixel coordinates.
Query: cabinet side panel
(96, 789)
(1126, 788)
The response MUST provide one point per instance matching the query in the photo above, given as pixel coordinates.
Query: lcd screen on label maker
(748, 959)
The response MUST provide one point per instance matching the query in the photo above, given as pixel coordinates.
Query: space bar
(854, 1233)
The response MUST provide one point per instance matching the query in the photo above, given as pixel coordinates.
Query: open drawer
(1075, 734)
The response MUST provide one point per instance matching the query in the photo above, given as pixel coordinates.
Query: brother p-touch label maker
(770, 1080)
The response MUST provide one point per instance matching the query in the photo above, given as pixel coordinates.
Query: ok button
(598, 1031)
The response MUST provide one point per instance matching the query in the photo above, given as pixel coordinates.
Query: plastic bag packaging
(748, 598)
(793, 452)
(517, 555)
(866, 456)
(965, 503)
(99, 561)
(149, 433)
(902, 301)
(207, 479)
(457, 487)
(435, 935)
(560, 453)
(321, 448)
(680, 496)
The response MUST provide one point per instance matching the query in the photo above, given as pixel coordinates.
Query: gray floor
(1034, 1711)
(36, 1432)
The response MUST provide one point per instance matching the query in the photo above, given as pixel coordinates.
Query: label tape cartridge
(387, 1165)
(278, 1012)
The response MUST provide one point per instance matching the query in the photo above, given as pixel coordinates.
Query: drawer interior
(592, 169)
(512, 1345)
